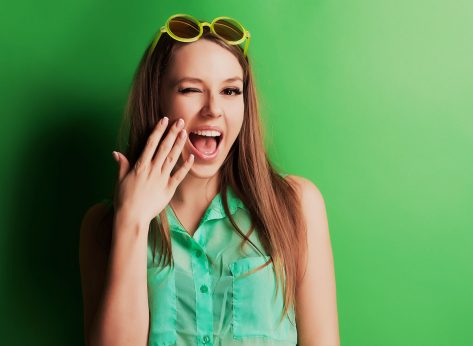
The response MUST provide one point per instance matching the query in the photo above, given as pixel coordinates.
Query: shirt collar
(214, 211)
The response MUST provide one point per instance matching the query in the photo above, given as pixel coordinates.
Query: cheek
(235, 125)
(178, 108)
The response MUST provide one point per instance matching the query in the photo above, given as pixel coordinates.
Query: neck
(195, 191)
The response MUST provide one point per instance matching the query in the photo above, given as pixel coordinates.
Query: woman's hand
(144, 191)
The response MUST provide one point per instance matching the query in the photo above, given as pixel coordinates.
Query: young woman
(205, 243)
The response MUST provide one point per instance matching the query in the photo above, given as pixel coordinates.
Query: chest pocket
(256, 308)
(162, 305)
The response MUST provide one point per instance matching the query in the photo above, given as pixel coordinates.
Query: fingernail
(164, 120)
(180, 123)
(115, 155)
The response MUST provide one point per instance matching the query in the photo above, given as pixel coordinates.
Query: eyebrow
(198, 80)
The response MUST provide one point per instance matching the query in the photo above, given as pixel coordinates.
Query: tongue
(206, 145)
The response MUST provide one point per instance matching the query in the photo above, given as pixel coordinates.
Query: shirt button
(198, 253)
(204, 289)
(206, 339)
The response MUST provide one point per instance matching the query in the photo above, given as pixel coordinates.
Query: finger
(123, 165)
(174, 154)
(166, 145)
(181, 173)
(152, 143)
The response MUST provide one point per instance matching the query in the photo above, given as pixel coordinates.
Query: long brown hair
(271, 200)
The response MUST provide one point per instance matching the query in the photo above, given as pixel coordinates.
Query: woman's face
(214, 99)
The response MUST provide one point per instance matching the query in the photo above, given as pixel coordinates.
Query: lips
(198, 154)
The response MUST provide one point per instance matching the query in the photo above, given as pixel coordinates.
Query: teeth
(207, 133)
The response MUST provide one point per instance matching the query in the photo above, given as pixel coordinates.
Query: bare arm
(316, 313)
(114, 285)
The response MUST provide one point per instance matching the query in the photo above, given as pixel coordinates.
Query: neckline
(215, 210)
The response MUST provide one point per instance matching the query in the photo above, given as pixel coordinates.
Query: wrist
(123, 220)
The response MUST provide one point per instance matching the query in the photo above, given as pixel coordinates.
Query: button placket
(203, 298)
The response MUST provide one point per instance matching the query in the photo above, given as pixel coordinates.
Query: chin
(198, 170)
(203, 171)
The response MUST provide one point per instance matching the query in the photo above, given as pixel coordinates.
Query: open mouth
(206, 144)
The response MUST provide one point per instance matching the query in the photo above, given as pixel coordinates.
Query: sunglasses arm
(248, 37)
(155, 41)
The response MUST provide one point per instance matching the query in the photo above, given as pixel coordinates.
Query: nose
(212, 107)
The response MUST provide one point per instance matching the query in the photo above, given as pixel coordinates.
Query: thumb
(123, 165)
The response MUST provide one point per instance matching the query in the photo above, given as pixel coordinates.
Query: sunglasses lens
(229, 29)
(184, 27)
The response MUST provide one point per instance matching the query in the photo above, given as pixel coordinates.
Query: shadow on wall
(65, 169)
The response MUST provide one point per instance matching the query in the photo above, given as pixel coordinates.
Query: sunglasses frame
(165, 29)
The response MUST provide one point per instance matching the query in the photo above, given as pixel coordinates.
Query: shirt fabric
(203, 299)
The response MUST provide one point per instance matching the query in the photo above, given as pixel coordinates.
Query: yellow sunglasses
(186, 28)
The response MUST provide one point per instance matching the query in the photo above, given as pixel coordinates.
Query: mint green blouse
(203, 300)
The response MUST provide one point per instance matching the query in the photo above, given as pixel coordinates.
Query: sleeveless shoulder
(97, 212)
(97, 223)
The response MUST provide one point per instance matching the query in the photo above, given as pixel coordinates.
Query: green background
(369, 99)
